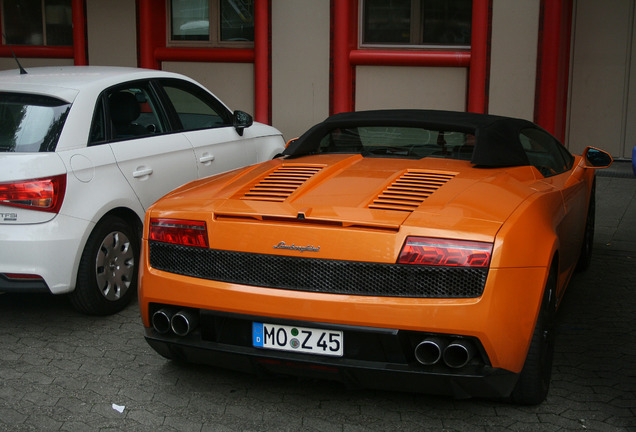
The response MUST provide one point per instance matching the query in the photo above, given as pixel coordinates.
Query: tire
(585, 258)
(107, 274)
(534, 379)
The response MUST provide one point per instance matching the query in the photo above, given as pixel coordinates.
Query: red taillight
(443, 252)
(179, 231)
(43, 194)
(22, 276)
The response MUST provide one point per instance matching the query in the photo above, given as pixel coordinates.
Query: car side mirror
(290, 142)
(241, 120)
(596, 158)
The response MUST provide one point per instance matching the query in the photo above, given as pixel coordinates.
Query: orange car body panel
(525, 216)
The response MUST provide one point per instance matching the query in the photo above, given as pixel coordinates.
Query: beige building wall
(111, 28)
(380, 87)
(300, 64)
(513, 58)
(233, 83)
(603, 92)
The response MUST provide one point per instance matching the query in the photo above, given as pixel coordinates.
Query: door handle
(142, 172)
(206, 157)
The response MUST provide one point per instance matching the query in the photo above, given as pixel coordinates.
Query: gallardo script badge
(308, 248)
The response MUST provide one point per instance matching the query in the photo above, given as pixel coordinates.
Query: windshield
(30, 123)
(401, 142)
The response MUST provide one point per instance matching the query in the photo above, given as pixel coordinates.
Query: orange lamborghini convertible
(409, 250)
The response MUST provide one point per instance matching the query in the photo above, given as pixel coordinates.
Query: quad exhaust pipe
(429, 351)
(184, 321)
(455, 354)
(161, 320)
(458, 353)
(180, 323)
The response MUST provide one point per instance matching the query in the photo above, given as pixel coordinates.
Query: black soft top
(497, 141)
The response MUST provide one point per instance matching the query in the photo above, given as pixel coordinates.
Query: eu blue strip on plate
(257, 334)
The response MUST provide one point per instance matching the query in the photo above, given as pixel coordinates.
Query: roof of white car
(66, 81)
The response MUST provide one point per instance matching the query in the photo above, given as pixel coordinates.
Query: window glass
(402, 142)
(544, 152)
(190, 20)
(195, 108)
(567, 156)
(237, 20)
(37, 22)
(387, 21)
(446, 22)
(131, 112)
(212, 22)
(98, 132)
(435, 23)
(30, 123)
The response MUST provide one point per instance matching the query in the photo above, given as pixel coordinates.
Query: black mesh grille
(319, 275)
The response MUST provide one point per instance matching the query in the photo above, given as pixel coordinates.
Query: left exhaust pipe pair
(181, 323)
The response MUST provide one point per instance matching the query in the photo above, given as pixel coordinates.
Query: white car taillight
(43, 194)
(445, 252)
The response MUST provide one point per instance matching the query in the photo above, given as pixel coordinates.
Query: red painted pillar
(343, 20)
(553, 67)
(152, 22)
(80, 55)
(479, 57)
(262, 62)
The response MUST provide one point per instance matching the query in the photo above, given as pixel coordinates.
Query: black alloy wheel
(585, 258)
(534, 379)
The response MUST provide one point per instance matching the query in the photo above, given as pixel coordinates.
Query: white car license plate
(298, 339)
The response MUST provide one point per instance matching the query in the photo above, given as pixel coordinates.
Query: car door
(208, 125)
(153, 157)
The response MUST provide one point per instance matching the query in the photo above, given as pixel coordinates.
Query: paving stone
(183, 424)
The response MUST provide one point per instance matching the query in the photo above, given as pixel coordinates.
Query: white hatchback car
(83, 152)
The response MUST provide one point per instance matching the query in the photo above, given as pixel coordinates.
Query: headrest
(123, 107)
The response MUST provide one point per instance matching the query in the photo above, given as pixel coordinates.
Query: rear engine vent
(280, 184)
(410, 190)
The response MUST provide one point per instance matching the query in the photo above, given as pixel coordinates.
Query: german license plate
(297, 339)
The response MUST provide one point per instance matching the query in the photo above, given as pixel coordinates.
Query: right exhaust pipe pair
(455, 354)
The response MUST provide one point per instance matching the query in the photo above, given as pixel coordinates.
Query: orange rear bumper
(502, 319)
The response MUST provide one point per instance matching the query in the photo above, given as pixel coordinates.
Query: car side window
(545, 152)
(126, 112)
(195, 108)
(98, 132)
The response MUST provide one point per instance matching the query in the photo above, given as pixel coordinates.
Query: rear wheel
(588, 239)
(534, 379)
(107, 275)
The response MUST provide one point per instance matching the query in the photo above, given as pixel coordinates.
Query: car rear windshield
(400, 142)
(30, 123)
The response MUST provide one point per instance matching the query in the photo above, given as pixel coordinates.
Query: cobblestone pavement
(60, 370)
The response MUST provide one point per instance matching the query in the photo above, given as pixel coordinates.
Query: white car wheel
(107, 276)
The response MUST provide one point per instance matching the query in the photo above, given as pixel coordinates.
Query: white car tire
(107, 274)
